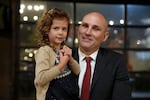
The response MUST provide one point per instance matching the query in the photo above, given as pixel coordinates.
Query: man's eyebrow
(83, 22)
(96, 26)
(92, 25)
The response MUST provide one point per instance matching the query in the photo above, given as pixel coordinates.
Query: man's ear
(106, 35)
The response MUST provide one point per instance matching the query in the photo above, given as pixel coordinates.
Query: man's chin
(85, 45)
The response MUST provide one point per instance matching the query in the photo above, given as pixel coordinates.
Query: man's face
(92, 32)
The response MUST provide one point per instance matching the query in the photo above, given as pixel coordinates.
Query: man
(109, 78)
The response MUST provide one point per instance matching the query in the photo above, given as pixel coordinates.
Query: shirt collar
(82, 55)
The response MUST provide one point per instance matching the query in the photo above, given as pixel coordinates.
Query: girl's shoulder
(45, 49)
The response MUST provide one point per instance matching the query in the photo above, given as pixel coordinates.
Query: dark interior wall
(5, 50)
(4, 68)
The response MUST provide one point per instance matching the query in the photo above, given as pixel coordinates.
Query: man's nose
(89, 30)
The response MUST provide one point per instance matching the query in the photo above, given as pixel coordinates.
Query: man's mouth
(86, 39)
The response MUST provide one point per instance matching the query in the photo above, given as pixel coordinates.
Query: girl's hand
(67, 51)
(63, 60)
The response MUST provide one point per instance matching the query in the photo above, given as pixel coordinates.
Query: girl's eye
(56, 28)
(65, 29)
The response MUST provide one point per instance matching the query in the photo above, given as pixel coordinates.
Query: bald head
(97, 17)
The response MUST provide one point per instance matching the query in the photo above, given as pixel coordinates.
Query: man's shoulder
(111, 52)
(74, 49)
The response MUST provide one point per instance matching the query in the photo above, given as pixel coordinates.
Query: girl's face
(58, 32)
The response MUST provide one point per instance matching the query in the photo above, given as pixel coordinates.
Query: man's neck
(87, 52)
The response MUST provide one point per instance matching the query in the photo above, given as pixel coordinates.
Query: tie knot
(88, 59)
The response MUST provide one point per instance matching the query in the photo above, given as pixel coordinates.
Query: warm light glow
(35, 18)
(30, 54)
(35, 51)
(26, 50)
(121, 21)
(111, 22)
(76, 41)
(71, 21)
(29, 7)
(21, 11)
(25, 58)
(138, 42)
(22, 6)
(41, 7)
(36, 8)
(25, 18)
(79, 22)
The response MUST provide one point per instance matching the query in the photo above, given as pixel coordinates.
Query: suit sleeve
(121, 87)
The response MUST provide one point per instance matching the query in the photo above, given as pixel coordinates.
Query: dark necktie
(85, 92)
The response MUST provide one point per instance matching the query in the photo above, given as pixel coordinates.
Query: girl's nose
(60, 31)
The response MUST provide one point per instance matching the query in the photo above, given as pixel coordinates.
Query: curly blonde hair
(46, 21)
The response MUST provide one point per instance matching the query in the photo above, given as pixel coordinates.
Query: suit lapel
(99, 67)
(75, 54)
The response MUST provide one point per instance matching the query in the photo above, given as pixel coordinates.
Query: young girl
(56, 72)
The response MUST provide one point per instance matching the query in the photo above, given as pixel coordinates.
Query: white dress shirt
(82, 63)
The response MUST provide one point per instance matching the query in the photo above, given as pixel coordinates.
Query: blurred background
(129, 27)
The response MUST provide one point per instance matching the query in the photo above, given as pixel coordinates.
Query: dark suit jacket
(110, 80)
